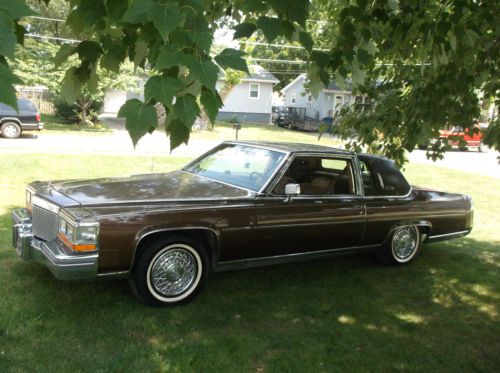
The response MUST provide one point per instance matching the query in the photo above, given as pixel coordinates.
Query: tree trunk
(84, 115)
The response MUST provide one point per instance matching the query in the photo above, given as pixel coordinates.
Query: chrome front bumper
(59, 259)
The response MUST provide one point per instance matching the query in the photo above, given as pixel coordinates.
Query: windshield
(240, 165)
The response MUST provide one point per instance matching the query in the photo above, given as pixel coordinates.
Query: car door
(314, 220)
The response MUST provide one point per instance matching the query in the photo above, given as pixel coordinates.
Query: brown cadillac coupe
(240, 205)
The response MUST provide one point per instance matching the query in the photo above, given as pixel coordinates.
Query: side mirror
(292, 189)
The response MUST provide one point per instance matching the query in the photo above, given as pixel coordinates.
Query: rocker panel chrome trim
(288, 258)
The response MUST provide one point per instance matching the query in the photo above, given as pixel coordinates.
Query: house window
(309, 98)
(294, 96)
(254, 90)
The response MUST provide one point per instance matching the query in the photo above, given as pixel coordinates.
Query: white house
(252, 99)
(328, 103)
(249, 101)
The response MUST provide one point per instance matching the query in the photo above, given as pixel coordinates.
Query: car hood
(175, 186)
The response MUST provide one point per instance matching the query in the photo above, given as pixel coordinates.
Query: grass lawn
(440, 313)
(54, 124)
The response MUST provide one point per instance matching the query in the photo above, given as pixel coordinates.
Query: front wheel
(402, 246)
(170, 271)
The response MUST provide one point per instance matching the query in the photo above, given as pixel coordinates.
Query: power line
(48, 19)
(280, 45)
(36, 36)
(277, 61)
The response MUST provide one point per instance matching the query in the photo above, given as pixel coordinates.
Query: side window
(318, 176)
(382, 178)
(254, 90)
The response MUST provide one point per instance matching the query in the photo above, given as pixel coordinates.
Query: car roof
(291, 147)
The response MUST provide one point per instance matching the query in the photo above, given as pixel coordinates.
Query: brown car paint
(241, 224)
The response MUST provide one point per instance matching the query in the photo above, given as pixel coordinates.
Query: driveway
(471, 161)
(116, 143)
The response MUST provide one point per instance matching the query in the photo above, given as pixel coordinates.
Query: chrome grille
(45, 223)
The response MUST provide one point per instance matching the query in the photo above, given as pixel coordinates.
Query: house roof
(332, 86)
(292, 83)
(257, 74)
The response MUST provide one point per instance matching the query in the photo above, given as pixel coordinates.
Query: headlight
(79, 236)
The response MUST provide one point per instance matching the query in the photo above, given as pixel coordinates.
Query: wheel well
(206, 237)
(6, 120)
(422, 226)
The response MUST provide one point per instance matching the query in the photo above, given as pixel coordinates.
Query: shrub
(72, 111)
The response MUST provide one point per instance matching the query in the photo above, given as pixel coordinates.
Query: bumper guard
(59, 259)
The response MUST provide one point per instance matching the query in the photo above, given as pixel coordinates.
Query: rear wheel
(11, 130)
(170, 270)
(402, 246)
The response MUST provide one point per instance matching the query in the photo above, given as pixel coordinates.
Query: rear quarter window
(26, 106)
(382, 178)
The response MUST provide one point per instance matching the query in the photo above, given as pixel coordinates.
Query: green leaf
(198, 26)
(166, 17)
(169, 56)
(206, 72)
(177, 132)
(139, 118)
(271, 27)
(8, 38)
(162, 89)
(89, 50)
(7, 91)
(186, 109)
(15, 9)
(138, 11)
(87, 16)
(192, 87)
(320, 58)
(358, 75)
(203, 39)
(470, 37)
(298, 11)
(244, 30)
(232, 58)
(452, 39)
(114, 57)
(211, 102)
(63, 53)
(306, 40)
(71, 86)
(115, 9)
(141, 50)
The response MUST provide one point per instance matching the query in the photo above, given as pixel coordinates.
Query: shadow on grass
(346, 313)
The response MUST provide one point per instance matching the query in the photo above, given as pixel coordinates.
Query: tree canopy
(425, 63)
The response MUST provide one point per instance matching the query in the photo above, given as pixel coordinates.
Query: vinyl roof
(291, 147)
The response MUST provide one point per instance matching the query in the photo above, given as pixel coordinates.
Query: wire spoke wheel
(405, 241)
(173, 272)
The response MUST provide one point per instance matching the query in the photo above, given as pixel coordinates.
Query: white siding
(239, 100)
